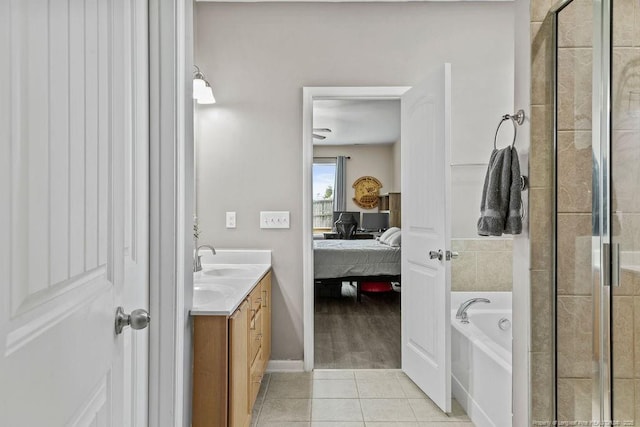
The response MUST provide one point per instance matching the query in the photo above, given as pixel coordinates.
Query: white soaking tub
(481, 358)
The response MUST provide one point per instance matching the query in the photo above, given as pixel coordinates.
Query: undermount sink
(230, 270)
(226, 279)
(206, 296)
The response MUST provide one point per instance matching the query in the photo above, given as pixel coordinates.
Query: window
(324, 176)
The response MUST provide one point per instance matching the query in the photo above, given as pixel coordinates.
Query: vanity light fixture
(202, 92)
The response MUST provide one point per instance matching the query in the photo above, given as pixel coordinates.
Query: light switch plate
(231, 220)
(271, 219)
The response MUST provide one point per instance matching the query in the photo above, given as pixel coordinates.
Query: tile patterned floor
(348, 398)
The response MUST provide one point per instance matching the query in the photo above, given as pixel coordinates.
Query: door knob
(138, 319)
(436, 255)
(452, 255)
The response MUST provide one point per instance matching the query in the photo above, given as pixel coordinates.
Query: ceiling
(357, 121)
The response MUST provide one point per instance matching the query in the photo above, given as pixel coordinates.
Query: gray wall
(258, 56)
(366, 160)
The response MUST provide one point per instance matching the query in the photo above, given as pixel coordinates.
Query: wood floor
(352, 335)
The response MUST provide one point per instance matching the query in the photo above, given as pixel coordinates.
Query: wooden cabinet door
(239, 381)
(266, 320)
(210, 371)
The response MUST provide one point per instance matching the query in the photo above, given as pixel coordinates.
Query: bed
(337, 261)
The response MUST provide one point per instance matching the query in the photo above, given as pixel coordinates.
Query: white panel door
(136, 213)
(426, 135)
(69, 226)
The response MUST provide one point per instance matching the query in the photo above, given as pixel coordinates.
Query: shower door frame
(602, 392)
(602, 380)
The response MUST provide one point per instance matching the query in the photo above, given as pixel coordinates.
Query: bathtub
(481, 359)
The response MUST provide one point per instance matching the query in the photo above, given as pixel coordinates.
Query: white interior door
(426, 284)
(136, 213)
(73, 246)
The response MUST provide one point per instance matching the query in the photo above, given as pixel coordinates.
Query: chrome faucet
(197, 264)
(462, 310)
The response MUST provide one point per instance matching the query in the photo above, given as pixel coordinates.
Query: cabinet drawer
(255, 339)
(255, 298)
(256, 374)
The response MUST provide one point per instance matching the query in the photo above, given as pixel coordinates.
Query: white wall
(521, 244)
(258, 56)
(366, 160)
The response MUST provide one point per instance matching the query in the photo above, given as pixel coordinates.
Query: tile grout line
(311, 398)
(264, 398)
(355, 380)
(414, 412)
(398, 377)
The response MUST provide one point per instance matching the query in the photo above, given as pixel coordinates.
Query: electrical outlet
(270, 219)
(231, 220)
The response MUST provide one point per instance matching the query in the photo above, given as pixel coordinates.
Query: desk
(357, 236)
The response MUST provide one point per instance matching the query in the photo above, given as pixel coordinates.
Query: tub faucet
(197, 264)
(462, 310)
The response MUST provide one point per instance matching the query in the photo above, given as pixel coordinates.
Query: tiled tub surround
(349, 398)
(483, 265)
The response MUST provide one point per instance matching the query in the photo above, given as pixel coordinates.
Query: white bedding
(334, 258)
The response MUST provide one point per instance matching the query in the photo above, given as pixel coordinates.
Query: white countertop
(226, 279)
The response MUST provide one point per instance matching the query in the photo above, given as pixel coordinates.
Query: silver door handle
(615, 264)
(138, 319)
(436, 255)
(452, 255)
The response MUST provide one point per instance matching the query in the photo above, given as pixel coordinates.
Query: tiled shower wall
(574, 300)
(625, 168)
(483, 265)
(541, 215)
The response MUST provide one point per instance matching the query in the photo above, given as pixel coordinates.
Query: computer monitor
(375, 221)
(336, 215)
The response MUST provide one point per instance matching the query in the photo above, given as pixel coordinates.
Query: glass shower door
(621, 125)
(577, 223)
(597, 145)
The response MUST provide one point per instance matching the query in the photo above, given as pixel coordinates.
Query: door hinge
(615, 264)
(611, 264)
(606, 264)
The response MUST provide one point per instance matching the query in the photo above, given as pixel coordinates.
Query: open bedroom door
(426, 213)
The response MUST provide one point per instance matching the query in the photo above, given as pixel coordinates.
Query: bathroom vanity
(232, 336)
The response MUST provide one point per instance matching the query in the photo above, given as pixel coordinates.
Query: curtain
(339, 187)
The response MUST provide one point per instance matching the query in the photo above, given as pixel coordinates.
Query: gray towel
(501, 196)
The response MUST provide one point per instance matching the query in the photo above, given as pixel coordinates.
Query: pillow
(385, 236)
(395, 239)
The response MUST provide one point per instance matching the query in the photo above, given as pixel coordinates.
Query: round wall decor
(367, 190)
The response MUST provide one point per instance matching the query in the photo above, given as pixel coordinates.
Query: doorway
(311, 95)
(356, 171)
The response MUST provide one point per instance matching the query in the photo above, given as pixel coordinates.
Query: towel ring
(516, 119)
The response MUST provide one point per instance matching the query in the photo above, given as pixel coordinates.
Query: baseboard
(285, 366)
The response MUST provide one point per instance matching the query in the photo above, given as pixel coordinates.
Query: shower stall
(596, 109)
